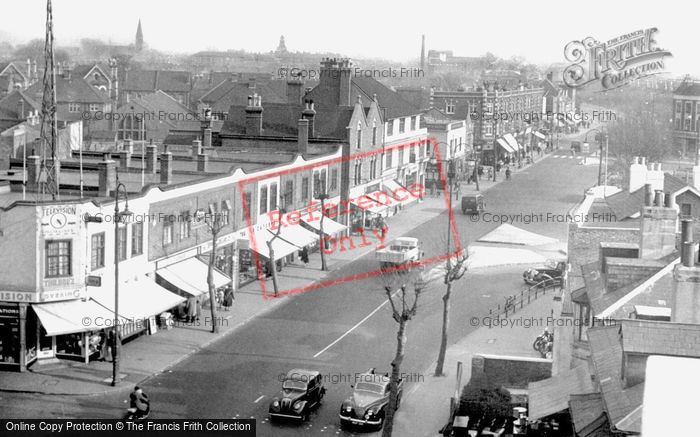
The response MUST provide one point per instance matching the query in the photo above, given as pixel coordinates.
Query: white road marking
(259, 399)
(354, 327)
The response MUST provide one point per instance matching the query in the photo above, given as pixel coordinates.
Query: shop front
(10, 335)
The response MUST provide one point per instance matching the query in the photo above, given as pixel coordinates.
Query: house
(177, 84)
(685, 114)
(234, 91)
(454, 137)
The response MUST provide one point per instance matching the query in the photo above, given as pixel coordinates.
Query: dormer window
(450, 107)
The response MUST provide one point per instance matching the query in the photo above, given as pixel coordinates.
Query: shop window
(58, 258)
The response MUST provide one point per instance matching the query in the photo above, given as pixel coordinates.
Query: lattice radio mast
(49, 126)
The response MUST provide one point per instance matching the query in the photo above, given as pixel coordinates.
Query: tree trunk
(445, 326)
(210, 283)
(395, 377)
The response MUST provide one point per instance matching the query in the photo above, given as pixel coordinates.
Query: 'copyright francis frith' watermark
(543, 217)
(100, 322)
(352, 378)
(198, 217)
(374, 73)
(531, 322)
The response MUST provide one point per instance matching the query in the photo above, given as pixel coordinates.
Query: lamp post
(117, 218)
(322, 244)
(601, 135)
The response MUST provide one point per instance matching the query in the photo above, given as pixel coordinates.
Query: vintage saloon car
(302, 391)
(369, 400)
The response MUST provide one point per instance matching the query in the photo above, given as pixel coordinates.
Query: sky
(535, 30)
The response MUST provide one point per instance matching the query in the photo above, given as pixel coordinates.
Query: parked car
(473, 204)
(369, 400)
(400, 251)
(302, 391)
(551, 274)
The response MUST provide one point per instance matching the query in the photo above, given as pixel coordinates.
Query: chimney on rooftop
(33, 172)
(254, 116)
(658, 230)
(309, 114)
(166, 168)
(107, 170)
(302, 136)
(638, 174)
(151, 158)
(196, 148)
(294, 91)
(202, 162)
(686, 280)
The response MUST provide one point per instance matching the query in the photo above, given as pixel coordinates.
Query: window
(94, 107)
(58, 258)
(374, 134)
(121, 239)
(358, 173)
(305, 189)
(449, 107)
(74, 107)
(677, 122)
(185, 225)
(136, 238)
(402, 125)
(262, 209)
(488, 129)
(288, 195)
(390, 128)
(248, 198)
(97, 251)
(413, 122)
(319, 182)
(401, 156)
(489, 107)
(334, 179)
(389, 157)
(273, 196)
(167, 233)
(359, 135)
(686, 122)
(686, 210)
(373, 168)
(688, 108)
(225, 212)
(678, 107)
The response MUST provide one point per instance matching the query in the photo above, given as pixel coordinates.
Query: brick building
(686, 113)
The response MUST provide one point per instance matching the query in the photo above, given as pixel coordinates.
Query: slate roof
(74, 90)
(153, 80)
(280, 119)
(390, 101)
(9, 105)
(660, 338)
(688, 88)
(625, 204)
(551, 395)
(585, 409)
(230, 92)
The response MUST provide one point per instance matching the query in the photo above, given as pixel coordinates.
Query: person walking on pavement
(228, 298)
(508, 173)
(382, 225)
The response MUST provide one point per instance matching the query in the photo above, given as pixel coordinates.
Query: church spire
(138, 44)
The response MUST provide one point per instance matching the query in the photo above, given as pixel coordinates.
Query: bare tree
(404, 304)
(454, 269)
(215, 224)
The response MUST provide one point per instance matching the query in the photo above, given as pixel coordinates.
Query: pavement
(425, 407)
(150, 355)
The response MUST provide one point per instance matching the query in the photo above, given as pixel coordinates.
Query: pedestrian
(104, 347)
(114, 337)
(304, 255)
(198, 307)
(508, 173)
(383, 227)
(228, 298)
(191, 309)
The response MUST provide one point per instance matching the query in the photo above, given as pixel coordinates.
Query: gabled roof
(435, 116)
(625, 204)
(9, 105)
(231, 92)
(13, 65)
(282, 118)
(153, 80)
(660, 338)
(178, 115)
(73, 90)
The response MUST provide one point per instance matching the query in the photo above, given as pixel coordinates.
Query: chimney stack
(686, 281)
(124, 158)
(303, 136)
(166, 168)
(658, 229)
(196, 148)
(202, 162)
(254, 116)
(309, 113)
(33, 172)
(294, 91)
(107, 170)
(206, 138)
(638, 174)
(151, 158)
(648, 195)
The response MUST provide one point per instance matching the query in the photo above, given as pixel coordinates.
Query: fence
(514, 302)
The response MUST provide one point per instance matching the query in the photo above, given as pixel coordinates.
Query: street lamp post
(117, 218)
(601, 135)
(322, 197)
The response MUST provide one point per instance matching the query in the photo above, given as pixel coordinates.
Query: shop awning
(140, 299)
(73, 316)
(298, 236)
(399, 192)
(190, 276)
(505, 145)
(539, 135)
(281, 247)
(512, 141)
(369, 202)
(330, 226)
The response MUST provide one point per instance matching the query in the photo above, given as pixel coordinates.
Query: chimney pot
(659, 199)
(686, 230)
(649, 197)
(166, 168)
(688, 254)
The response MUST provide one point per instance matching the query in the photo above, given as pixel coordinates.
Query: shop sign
(59, 220)
(43, 296)
(9, 310)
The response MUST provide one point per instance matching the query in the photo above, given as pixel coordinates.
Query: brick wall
(625, 271)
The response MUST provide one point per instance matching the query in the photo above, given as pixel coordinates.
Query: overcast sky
(536, 30)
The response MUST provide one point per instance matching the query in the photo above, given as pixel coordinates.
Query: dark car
(302, 391)
(552, 274)
(473, 204)
(369, 400)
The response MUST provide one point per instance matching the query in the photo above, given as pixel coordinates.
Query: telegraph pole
(49, 126)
